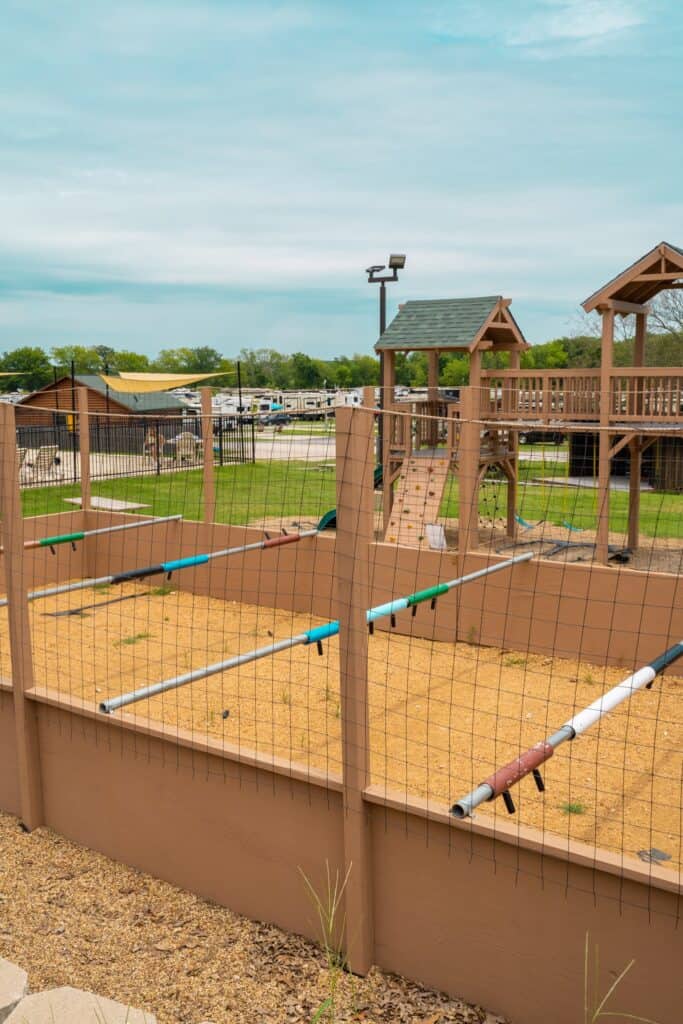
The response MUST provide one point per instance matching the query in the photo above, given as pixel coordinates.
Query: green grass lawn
(245, 493)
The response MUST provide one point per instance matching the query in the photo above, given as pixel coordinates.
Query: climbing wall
(417, 500)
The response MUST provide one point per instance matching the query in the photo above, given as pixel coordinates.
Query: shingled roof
(449, 324)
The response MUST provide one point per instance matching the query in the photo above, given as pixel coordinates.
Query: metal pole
(529, 762)
(240, 424)
(311, 636)
(67, 538)
(382, 327)
(73, 421)
(164, 567)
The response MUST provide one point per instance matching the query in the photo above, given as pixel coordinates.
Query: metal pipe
(65, 538)
(162, 567)
(499, 783)
(311, 636)
(108, 706)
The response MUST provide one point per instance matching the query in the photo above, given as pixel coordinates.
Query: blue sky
(221, 173)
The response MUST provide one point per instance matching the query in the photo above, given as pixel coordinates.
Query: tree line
(264, 367)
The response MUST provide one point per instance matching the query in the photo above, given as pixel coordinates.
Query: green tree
(129, 362)
(306, 372)
(33, 365)
(84, 359)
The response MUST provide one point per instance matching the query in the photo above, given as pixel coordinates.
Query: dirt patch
(442, 716)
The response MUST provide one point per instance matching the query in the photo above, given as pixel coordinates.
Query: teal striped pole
(311, 636)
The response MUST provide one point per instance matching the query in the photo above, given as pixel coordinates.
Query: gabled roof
(153, 401)
(654, 272)
(447, 324)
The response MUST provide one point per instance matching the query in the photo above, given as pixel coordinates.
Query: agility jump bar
(71, 538)
(311, 636)
(500, 782)
(163, 567)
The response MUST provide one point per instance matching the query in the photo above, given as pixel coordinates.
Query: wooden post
(21, 654)
(433, 376)
(468, 473)
(636, 457)
(388, 384)
(604, 464)
(433, 397)
(84, 447)
(207, 449)
(354, 451)
(513, 460)
(639, 360)
(639, 345)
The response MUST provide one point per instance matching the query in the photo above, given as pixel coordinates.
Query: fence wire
(457, 683)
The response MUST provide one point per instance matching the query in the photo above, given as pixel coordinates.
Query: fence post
(468, 473)
(21, 655)
(355, 457)
(84, 446)
(207, 436)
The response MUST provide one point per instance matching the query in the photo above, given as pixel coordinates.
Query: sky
(217, 173)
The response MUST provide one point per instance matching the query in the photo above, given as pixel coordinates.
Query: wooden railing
(422, 424)
(654, 395)
(649, 394)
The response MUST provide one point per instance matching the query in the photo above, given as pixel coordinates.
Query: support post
(25, 722)
(513, 460)
(636, 461)
(84, 447)
(207, 450)
(468, 473)
(354, 451)
(639, 360)
(433, 397)
(604, 443)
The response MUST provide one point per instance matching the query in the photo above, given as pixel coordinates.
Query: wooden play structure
(627, 408)
(419, 449)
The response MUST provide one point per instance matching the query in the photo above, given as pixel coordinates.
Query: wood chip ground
(73, 917)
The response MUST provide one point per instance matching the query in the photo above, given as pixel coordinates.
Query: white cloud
(577, 20)
(546, 28)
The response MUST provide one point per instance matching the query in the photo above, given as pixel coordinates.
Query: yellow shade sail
(144, 382)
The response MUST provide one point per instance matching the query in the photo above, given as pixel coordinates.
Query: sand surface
(443, 716)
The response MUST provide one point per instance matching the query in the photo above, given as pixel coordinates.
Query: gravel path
(73, 917)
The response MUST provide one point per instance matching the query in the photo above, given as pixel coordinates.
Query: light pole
(396, 262)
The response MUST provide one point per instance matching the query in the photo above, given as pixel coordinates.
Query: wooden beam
(622, 444)
(619, 306)
(659, 277)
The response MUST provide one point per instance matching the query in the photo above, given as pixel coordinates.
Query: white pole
(500, 782)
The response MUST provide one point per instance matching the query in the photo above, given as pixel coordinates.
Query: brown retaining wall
(498, 917)
(615, 616)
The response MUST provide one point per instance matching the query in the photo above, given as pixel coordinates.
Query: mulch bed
(69, 916)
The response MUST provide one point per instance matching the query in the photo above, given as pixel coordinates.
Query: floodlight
(376, 269)
(397, 262)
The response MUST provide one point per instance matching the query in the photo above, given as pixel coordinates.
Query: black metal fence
(50, 453)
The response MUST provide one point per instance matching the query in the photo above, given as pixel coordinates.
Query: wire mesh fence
(404, 630)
